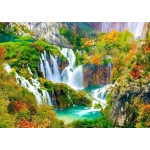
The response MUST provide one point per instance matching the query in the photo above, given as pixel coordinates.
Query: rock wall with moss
(96, 75)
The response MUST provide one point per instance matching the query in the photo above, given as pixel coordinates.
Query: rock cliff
(125, 92)
(96, 75)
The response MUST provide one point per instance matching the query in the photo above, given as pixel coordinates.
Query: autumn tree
(2, 53)
(95, 60)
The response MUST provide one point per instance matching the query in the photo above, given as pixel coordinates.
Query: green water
(77, 113)
(6, 38)
(12, 38)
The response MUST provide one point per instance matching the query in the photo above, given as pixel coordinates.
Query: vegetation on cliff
(128, 101)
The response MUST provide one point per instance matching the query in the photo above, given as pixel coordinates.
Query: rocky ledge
(124, 92)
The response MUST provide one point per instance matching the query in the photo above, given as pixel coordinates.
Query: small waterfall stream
(31, 87)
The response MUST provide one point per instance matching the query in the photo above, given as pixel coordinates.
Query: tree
(95, 60)
(2, 53)
(6, 120)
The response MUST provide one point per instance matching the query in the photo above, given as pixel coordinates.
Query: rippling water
(77, 113)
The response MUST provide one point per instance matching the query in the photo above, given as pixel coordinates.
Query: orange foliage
(147, 49)
(95, 60)
(2, 53)
(148, 76)
(135, 73)
(19, 105)
(23, 123)
(132, 52)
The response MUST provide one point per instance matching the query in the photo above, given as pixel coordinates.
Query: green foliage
(74, 39)
(97, 106)
(108, 107)
(102, 122)
(4, 27)
(66, 96)
(46, 118)
(6, 120)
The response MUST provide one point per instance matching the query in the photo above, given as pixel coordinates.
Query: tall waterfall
(71, 75)
(135, 27)
(49, 68)
(31, 87)
(55, 70)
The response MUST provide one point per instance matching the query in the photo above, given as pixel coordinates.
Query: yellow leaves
(110, 37)
(143, 119)
(88, 42)
(95, 60)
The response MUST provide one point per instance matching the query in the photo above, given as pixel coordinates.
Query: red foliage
(147, 108)
(23, 123)
(135, 73)
(147, 49)
(19, 105)
(2, 53)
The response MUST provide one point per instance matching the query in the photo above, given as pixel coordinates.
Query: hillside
(74, 74)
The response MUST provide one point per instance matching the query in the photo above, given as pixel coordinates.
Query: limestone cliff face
(96, 75)
(47, 30)
(124, 93)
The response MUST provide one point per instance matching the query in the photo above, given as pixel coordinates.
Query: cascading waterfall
(26, 84)
(46, 97)
(71, 75)
(32, 88)
(48, 72)
(49, 69)
(42, 67)
(55, 70)
(100, 94)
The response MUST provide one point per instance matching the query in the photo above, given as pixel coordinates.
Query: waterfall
(7, 68)
(53, 98)
(69, 54)
(48, 72)
(29, 70)
(55, 71)
(31, 87)
(77, 78)
(50, 69)
(47, 97)
(26, 84)
(45, 67)
(100, 94)
(71, 75)
(42, 67)
(135, 27)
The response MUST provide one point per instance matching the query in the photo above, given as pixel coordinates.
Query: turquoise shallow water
(77, 113)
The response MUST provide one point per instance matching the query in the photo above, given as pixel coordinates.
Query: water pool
(77, 113)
